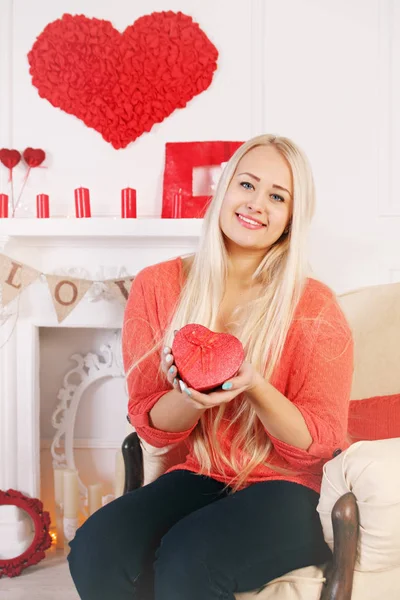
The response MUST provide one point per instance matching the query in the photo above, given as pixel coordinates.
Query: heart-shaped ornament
(34, 156)
(9, 158)
(121, 84)
(205, 359)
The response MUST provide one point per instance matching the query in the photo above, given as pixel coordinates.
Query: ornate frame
(42, 540)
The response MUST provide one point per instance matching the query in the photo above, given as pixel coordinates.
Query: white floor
(48, 580)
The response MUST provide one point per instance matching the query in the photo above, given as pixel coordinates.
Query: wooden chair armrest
(345, 521)
(133, 462)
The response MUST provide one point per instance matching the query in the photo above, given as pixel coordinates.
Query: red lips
(251, 218)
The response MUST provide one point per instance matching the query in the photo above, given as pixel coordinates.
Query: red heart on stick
(9, 158)
(121, 84)
(206, 359)
(34, 156)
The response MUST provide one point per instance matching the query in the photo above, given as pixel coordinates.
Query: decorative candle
(95, 495)
(3, 206)
(59, 486)
(119, 476)
(42, 206)
(177, 206)
(82, 203)
(71, 504)
(128, 203)
(59, 501)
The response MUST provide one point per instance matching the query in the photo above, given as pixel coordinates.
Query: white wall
(324, 72)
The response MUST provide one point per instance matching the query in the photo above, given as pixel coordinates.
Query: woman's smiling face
(258, 203)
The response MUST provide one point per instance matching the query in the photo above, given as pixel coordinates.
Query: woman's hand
(245, 380)
(168, 367)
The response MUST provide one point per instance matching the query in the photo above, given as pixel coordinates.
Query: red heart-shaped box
(205, 359)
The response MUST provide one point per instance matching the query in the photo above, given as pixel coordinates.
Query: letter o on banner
(73, 292)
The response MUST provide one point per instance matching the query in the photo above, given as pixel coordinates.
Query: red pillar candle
(42, 206)
(128, 203)
(82, 203)
(3, 206)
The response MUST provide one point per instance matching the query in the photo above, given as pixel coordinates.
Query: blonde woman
(241, 509)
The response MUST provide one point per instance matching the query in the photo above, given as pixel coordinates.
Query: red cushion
(376, 418)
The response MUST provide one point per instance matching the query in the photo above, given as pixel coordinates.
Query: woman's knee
(185, 562)
(104, 553)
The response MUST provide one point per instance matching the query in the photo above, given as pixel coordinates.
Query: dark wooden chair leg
(345, 521)
(133, 462)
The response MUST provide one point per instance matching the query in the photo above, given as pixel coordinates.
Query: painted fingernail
(182, 385)
(166, 350)
(227, 385)
(187, 391)
(168, 358)
(171, 369)
(175, 381)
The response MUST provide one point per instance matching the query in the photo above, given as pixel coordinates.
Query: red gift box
(180, 160)
(205, 359)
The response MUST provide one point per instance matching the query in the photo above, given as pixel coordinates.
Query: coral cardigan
(315, 373)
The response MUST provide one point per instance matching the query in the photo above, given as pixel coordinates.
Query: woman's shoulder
(319, 308)
(161, 274)
(316, 296)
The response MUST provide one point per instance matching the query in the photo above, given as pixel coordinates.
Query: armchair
(360, 497)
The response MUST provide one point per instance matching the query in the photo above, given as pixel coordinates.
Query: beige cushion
(302, 584)
(307, 584)
(369, 470)
(378, 585)
(374, 317)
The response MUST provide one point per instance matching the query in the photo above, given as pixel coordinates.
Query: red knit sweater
(315, 373)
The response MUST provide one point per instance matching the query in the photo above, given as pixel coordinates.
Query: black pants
(184, 537)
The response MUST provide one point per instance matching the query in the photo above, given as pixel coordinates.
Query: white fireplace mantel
(108, 231)
(97, 248)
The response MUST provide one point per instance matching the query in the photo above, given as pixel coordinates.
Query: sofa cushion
(369, 469)
(374, 317)
(301, 584)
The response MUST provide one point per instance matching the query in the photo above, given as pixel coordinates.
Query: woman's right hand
(168, 367)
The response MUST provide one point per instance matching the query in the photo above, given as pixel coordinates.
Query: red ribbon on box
(180, 160)
(203, 351)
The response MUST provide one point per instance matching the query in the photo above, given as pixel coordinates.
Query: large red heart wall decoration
(121, 84)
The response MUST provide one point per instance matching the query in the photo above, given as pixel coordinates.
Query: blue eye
(277, 196)
(247, 183)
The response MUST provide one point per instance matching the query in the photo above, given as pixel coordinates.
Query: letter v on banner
(120, 288)
(14, 278)
(66, 292)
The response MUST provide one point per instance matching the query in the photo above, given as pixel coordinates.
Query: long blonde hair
(282, 274)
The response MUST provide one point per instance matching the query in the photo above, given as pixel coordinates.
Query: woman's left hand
(245, 380)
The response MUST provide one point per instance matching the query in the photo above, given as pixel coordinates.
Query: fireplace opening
(81, 382)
